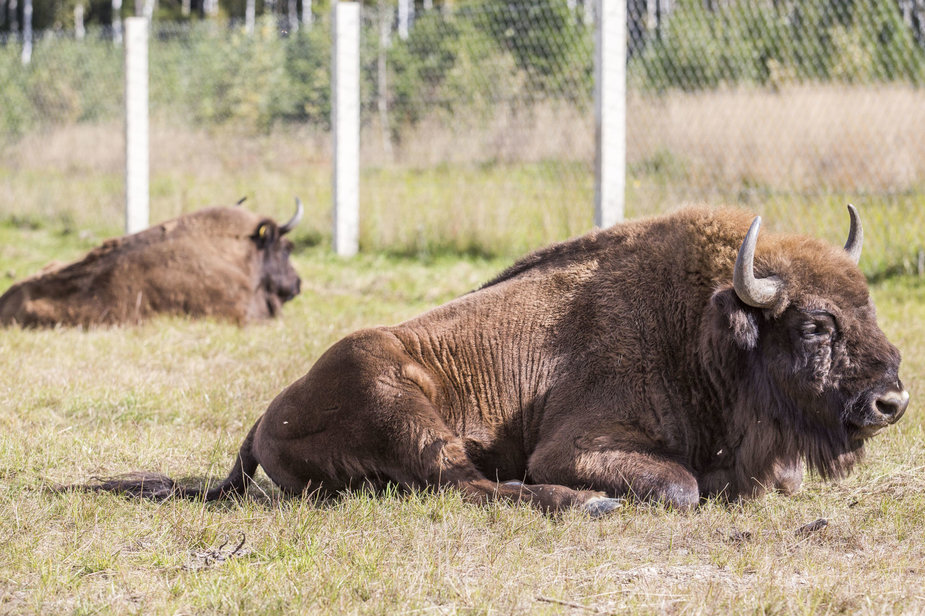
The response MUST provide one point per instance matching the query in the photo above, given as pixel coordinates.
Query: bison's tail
(159, 487)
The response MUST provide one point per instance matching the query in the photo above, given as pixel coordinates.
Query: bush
(748, 42)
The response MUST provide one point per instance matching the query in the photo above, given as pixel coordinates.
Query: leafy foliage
(766, 43)
(469, 60)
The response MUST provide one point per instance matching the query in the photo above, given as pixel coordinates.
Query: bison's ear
(266, 233)
(737, 318)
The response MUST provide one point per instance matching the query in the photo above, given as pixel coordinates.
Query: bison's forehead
(816, 272)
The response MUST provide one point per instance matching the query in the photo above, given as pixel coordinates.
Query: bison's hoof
(601, 505)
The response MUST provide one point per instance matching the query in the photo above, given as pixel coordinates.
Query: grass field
(177, 396)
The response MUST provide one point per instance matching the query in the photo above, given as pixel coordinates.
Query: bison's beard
(832, 456)
(828, 443)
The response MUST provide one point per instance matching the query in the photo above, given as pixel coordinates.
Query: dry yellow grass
(510, 180)
(177, 396)
(799, 138)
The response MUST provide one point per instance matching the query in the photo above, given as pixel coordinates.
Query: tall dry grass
(507, 179)
(800, 139)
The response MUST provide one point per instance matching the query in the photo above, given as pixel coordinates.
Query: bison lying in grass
(668, 359)
(220, 262)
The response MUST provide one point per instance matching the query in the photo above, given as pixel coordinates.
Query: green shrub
(745, 42)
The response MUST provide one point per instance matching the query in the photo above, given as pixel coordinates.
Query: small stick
(568, 604)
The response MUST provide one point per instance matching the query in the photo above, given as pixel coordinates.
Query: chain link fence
(478, 133)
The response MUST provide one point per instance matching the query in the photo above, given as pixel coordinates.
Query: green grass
(178, 396)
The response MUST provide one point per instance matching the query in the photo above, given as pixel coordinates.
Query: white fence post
(136, 124)
(345, 120)
(610, 112)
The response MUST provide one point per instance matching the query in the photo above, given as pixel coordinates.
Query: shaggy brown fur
(220, 262)
(619, 363)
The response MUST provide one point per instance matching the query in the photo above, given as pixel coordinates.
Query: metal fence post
(609, 112)
(345, 120)
(136, 124)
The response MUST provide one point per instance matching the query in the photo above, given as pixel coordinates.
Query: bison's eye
(818, 325)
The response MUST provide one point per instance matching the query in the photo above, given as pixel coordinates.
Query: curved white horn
(757, 292)
(289, 226)
(855, 235)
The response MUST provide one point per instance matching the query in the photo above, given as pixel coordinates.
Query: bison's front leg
(786, 476)
(599, 464)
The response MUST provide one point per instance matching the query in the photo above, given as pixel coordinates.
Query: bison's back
(195, 265)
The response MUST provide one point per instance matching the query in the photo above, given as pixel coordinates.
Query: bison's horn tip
(855, 235)
(299, 212)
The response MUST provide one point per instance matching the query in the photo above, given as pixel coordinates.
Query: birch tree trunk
(292, 16)
(79, 30)
(27, 31)
(382, 86)
(117, 22)
(14, 22)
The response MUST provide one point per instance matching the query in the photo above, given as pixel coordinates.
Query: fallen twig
(568, 604)
(212, 557)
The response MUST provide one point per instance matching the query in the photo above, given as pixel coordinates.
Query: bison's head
(278, 279)
(814, 351)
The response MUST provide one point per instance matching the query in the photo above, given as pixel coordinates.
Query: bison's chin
(859, 434)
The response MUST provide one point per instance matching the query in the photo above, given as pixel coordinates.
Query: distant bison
(219, 262)
(667, 359)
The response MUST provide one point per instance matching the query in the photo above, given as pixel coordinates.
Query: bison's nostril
(893, 404)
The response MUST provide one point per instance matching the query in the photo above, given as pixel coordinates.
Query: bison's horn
(855, 235)
(289, 226)
(757, 292)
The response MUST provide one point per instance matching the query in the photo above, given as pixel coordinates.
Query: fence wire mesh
(477, 117)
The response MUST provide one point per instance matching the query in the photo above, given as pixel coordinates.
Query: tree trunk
(292, 16)
(117, 21)
(79, 31)
(382, 90)
(14, 22)
(405, 17)
(27, 31)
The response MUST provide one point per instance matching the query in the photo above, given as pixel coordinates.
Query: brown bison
(668, 359)
(219, 262)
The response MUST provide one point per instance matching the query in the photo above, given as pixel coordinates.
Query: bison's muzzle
(878, 411)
